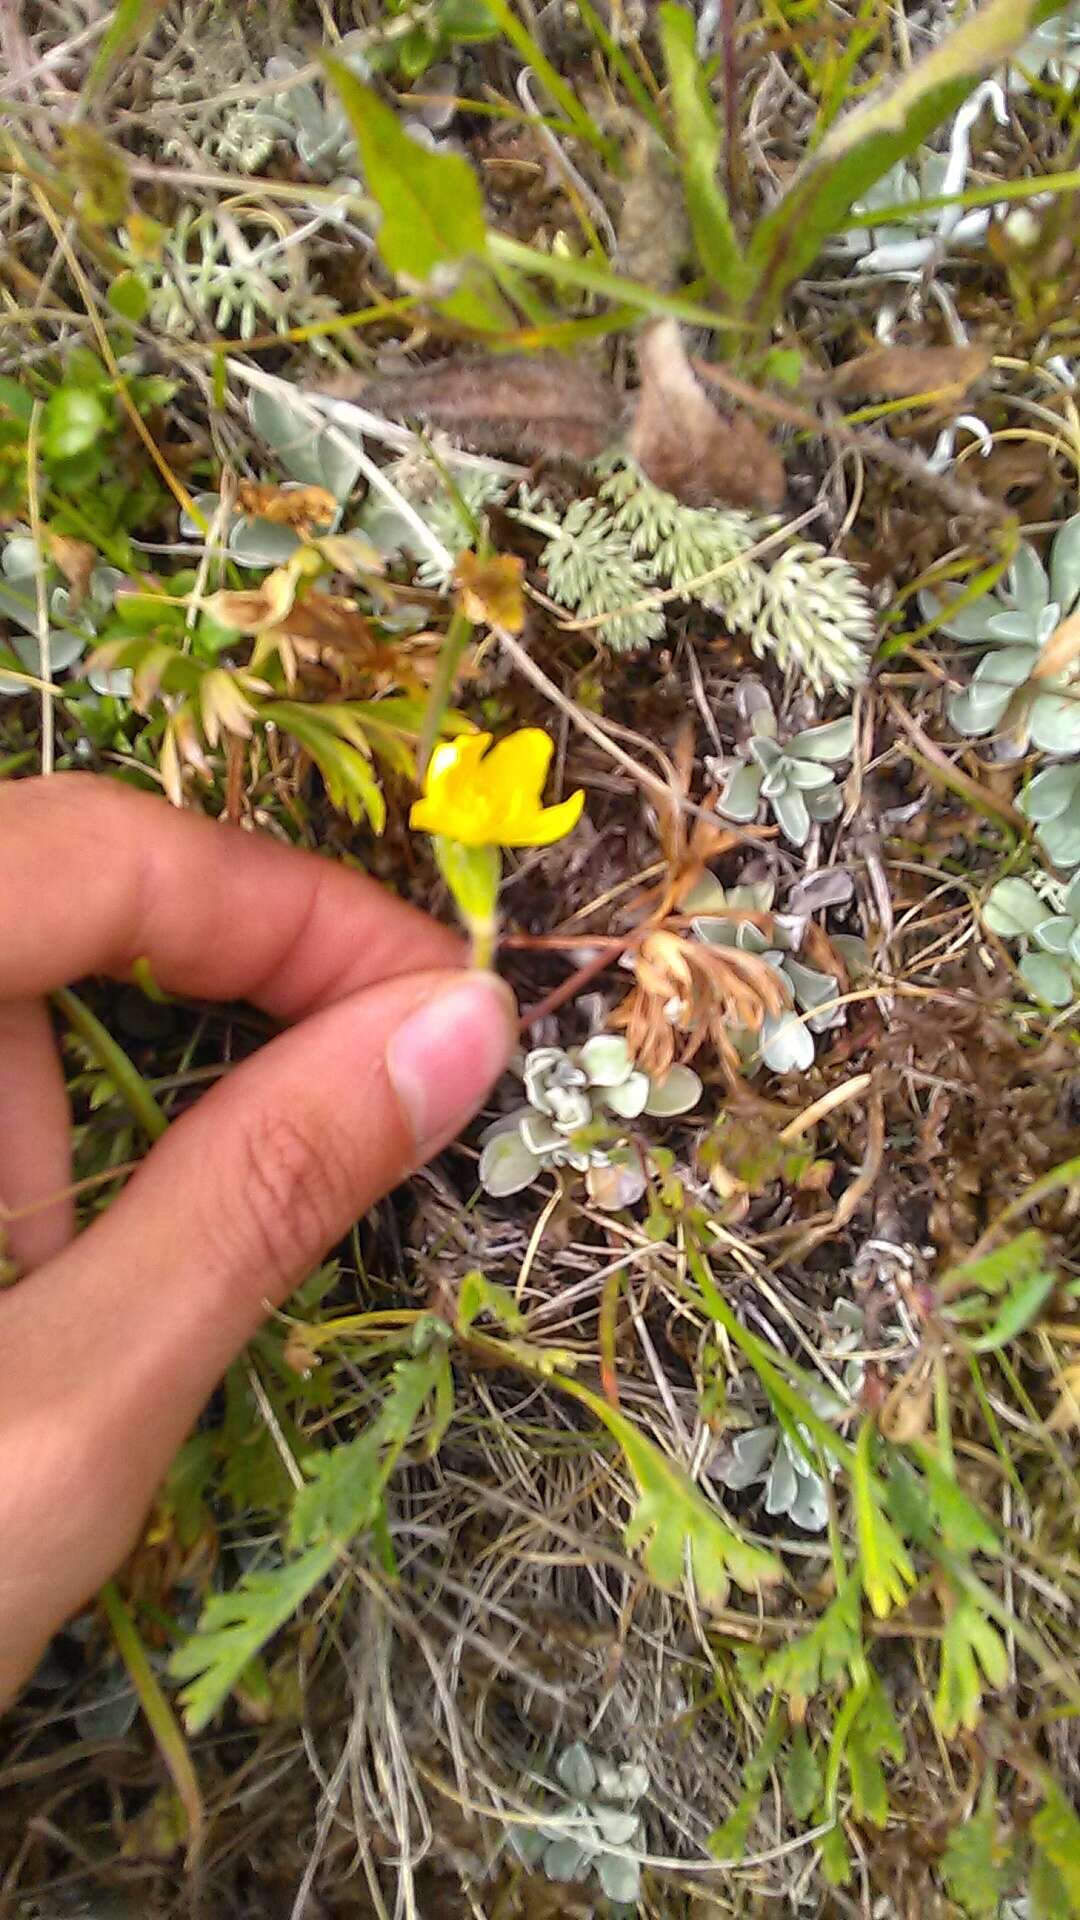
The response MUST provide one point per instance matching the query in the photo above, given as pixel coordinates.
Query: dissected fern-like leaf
(674, 1522)
(342, 1498)
(884, 1564)
(236, 1626)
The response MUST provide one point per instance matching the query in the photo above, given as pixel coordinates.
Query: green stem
(159, 1715)
(123, 1073)
(484, 935)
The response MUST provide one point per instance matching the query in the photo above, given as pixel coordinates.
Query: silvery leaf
(620, 1879)
(968, 625)
(835, 741)
(1065, 564)
(19, 604)
(716, 932)
(1051, 793)
(787, 1045)
(765, 751)
(1049, 979)
(1061, 838)
(538, 1134)
(973, 713)
(633, 1783)
(1008, 668)
(1055, 721)
(507, 1166)
(113, 1714)
(740, 793)
(826, 804)
(1028, 583)
(705, 896)
(1017, 624)
(750, 939)
(750, 1456)
(1013, 908)
(812, 989)
(775, 780)
(528, 1843)
(793, 816)
(1071, 902)
(262, 543)
(569, 1108)
(615, 1185)
(207, 504)
(566, 1860)
(629, 1099)
(617, 1824)
(1053, 935)
(810, 1507)
(20, 561)
(575, 1770)
(306, 451)
(828, 887)
(678, 1091)
(782, 1484)
(115, 683)
(807, 774)
(607, 1060)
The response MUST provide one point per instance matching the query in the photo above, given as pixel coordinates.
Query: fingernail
(448, 1054)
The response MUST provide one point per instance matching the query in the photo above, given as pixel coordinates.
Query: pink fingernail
(448, 1054)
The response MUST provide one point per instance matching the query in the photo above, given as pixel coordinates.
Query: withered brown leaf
(76, 560)
(685, 445)
(511, 404)
(490, 590)
(301, 508)
(895, 373)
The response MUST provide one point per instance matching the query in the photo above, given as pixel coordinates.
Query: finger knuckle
(293, 1195)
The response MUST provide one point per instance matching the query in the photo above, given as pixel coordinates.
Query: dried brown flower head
(685, 988)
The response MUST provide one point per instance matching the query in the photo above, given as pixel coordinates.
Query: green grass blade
(863, 146)
(697, 135)
(522, 40)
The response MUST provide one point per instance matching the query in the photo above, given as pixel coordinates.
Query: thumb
(113, 1347)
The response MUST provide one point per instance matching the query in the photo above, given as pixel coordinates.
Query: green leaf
(130, 20)
(962, 1525)
(873, 1733)
(432, 226)
(344, 1492)
(675, 1521)
(831, 1650)
(1055, 1832)
(478, 1295)
(728, 1841)
(968, 1644)
(884, 1565)
(1016, 1275)
(334, 736)
(128, 297)
(15, 399)
(74, 419)
(698, 143)
(973, 1865)
(235, 1626)
(862, 147)
(802, 1776)
(835, 1857)
(533, 54)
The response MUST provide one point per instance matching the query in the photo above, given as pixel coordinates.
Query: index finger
(94, 876)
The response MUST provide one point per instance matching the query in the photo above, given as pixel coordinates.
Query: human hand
(111, 1345)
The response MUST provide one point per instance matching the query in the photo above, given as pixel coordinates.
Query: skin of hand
(113, 1340)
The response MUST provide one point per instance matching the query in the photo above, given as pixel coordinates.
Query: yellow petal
(547, 824)
(515, 769)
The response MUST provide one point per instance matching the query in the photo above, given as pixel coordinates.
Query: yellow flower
(484, 799)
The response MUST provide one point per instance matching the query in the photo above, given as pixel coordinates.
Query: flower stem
(484, 935)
